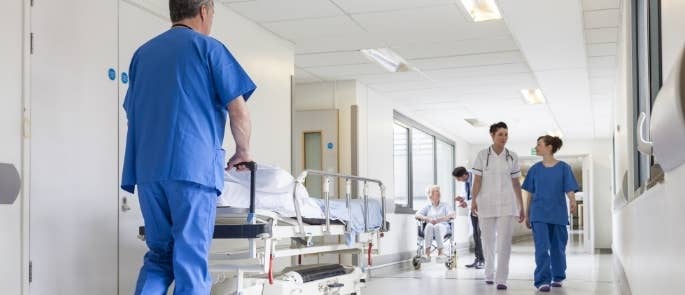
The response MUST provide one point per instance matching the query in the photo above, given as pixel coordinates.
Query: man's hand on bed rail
(238, 161)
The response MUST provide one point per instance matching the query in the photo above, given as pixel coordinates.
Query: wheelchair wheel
(416, 262)
(451, 263)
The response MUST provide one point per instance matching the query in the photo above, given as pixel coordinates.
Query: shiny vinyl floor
(586, 274)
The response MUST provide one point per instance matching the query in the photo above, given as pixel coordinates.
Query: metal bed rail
(328, 176)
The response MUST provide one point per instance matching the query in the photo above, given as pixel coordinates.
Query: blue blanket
(339, 212)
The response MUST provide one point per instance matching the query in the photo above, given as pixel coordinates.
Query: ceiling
(462, 69)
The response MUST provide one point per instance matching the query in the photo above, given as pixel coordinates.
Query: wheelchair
(448, 242)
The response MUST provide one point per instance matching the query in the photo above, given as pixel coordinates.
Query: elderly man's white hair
(429, 189)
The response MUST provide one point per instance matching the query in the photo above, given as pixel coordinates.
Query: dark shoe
(501, 287)
(489, 282)
(480, 265)
(474, 264)
(543, 288)
(556, 284)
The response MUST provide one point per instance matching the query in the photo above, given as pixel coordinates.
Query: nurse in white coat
(497, 202)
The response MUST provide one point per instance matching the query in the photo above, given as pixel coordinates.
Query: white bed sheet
(274, 187)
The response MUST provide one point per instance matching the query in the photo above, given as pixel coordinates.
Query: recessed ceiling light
(475, 122)
(387, 59)
(481, 10)
(533, 96)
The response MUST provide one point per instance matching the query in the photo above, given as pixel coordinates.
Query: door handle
(643, 144)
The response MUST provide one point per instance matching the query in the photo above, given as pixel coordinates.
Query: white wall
(11, 57)
(339, 95)
(648, 233)
(269, 61)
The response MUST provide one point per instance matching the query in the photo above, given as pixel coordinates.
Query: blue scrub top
(548, 186)
(181, 83)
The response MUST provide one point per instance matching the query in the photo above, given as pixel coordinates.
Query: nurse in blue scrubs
(550, 182)
(183, 86)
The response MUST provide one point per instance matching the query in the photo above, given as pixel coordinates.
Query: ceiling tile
(342, 72)
(269, 10)
(602, 49)
(602, 62)
(330, 59)
(296, 30)
(455, 48)
(489, 74)
(346, 42)
(605, 35)
(470, 60)
(603, 86)
(601, 18)
(600, 4)
(363, 6)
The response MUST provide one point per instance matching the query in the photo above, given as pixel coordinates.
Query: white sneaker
(441, 259)
(425, 259)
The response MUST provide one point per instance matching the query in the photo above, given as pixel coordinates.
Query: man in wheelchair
(434, 224)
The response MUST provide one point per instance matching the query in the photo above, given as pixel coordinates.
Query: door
(310, 128)
(73, 148)
(136, 26)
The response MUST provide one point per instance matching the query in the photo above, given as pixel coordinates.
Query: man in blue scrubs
(183, 84)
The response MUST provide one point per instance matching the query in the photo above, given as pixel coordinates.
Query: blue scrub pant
(550, 252)
(179, 225)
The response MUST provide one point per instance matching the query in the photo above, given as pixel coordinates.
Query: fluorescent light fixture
(556, 133)
(387, 59)
(533, 96)
(475, 122)
(481, 10)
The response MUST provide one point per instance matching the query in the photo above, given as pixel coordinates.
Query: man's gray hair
(182, 9)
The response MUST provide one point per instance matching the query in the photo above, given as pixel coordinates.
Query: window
(401, 165)
(422, 157)
(647, 80)
(445, 165)
(423, 166)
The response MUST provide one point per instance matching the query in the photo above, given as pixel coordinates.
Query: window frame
(410, 124)
(646, 76)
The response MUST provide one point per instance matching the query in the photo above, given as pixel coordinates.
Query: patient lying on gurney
(274, 192)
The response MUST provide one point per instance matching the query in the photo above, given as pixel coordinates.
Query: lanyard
(181, 25)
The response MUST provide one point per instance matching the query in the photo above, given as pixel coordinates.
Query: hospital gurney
(269, 229)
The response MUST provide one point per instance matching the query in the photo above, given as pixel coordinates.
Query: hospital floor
(586, 274)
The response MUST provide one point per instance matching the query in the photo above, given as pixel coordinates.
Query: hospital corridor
(342, 147)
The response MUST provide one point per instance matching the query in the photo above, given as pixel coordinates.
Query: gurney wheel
(416, 262)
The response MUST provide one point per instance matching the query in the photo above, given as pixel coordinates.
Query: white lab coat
(496, 197)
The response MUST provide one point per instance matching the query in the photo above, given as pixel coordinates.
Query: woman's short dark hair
(459, 171)
(554, 141)
(182, 9)
(497, 126)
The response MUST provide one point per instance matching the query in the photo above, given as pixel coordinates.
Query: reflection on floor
(586, 274)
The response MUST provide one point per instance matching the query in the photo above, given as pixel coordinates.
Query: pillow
(238, 196)
(268, 179)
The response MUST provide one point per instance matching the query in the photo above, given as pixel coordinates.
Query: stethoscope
(506, 158)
